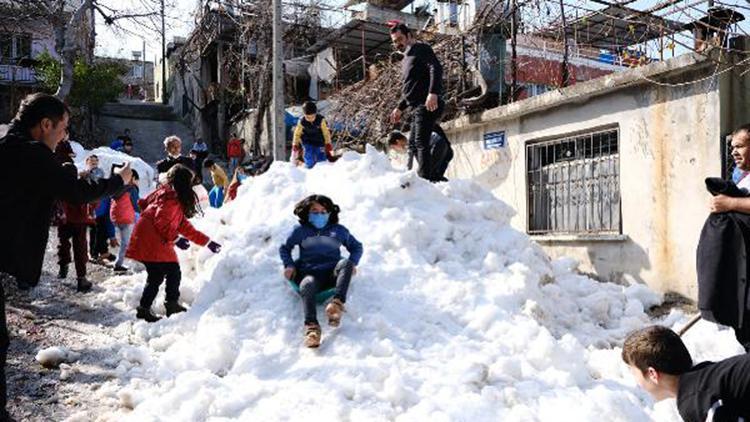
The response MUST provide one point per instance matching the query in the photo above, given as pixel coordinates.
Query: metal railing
(574, 184)
(17, 74)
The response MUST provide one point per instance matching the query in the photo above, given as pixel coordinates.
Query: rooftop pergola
(615, 27)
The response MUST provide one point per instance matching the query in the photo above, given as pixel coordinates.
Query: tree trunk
(68, 46)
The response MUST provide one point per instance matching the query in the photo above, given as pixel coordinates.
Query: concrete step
(140, 111)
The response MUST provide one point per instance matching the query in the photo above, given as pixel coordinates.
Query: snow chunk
(52, 357)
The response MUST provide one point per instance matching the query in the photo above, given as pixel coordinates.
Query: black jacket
(722, 266)
(166, 164)
(421, 75)
(32, 181)
(722, 386)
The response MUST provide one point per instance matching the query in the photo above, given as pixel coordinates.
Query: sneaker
(83, 285)
(334, 310)
(312, 335)
(109, 257)
(145, 313)
(174, 308)
(121, 269)
(63, 274)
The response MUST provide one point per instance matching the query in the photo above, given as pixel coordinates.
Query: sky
(180, 21)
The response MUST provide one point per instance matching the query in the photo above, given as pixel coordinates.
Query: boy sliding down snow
(320, 267)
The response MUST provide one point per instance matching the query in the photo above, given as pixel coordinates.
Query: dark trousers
(310, 283)
(157, 272)
(4, 342)
(743, 334)
(98, 241)
(423, 122)
(74, 234)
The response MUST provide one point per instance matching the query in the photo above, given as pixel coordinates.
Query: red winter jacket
(121, 210)
(234, 148)
(157, 229)
(78, 213)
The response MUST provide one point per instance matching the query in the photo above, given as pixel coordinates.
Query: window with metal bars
(574, 184)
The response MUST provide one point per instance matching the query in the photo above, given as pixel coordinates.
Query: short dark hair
(207, 164)
(395, 136)
(37, 107)
(400, 27)
(657, 347)
(744, 128)
(126, 130)
(302, 209)
(309, 107)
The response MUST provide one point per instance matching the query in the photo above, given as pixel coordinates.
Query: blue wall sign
(494, 140)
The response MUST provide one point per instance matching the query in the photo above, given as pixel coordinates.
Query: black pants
(310, 283)
(4, 342)
(157, 272)
(423, 122)
(743, 334)
(442, 154)
(73, 235)
(98, 239)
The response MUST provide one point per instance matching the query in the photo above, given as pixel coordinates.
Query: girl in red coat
(165, 216)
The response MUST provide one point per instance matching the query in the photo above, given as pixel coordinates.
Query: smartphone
(114, 166)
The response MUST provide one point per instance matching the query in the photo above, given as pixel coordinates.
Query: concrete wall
(669, 140)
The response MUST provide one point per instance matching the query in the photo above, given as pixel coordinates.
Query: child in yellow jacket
(312, 138)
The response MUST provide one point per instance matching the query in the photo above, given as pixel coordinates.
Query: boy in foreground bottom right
(708, 391)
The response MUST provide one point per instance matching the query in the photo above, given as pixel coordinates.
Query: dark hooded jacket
(32, 180)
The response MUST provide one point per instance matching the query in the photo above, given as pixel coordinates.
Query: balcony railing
(10, 74)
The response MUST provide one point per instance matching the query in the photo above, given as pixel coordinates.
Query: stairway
(149, 124)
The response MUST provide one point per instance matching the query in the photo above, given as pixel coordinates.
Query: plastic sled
(320, 297)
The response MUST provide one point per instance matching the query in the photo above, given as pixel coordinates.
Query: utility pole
(163, 58)
(143, 67)
(513, 54)
(564, 71)
(277, 110)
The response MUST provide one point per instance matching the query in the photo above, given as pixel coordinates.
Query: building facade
(611, 171)
(19, 46)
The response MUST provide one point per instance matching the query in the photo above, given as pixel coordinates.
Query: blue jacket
(216, 197)
(319, 250)
(102, 211)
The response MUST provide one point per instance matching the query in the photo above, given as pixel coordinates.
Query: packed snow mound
(108, 156)
(453, 316)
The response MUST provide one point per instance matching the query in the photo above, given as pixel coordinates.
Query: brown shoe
(334, 310)
(312, 335)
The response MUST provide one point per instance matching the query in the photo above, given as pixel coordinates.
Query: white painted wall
(669, 142)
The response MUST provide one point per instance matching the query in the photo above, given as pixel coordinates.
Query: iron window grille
(574, 184)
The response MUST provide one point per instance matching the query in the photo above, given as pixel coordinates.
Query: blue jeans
(233, 164)
(313, 155)
(124, 230)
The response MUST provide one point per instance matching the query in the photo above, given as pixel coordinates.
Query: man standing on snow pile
(422, 78)
(26, 204)
(723, 294)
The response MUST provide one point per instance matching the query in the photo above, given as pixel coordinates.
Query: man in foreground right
(708, 391)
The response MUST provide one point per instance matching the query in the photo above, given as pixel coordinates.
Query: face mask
(318, 220)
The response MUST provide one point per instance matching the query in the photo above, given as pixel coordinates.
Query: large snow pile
(454, 316)
(108, 156)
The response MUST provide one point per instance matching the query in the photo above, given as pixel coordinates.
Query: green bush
(93, 85)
